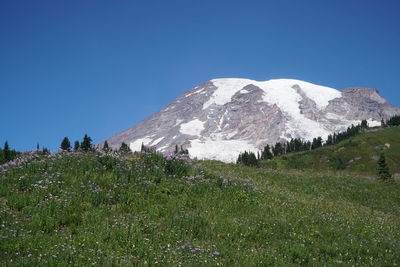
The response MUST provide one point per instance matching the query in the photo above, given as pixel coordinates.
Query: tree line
(393, 121)
(297, 145)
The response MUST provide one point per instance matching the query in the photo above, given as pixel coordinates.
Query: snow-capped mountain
(223, 117)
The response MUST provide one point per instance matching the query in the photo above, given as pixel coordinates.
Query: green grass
(90, 209)
(356, 155)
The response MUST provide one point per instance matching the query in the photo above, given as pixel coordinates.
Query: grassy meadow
(95, 209)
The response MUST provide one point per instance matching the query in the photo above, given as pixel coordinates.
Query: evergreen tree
(394, 121)
(383, 170)
(252, 159)
(278, 149)
(247, 158)
(37, 147)
(86, 144)
(266, 153)
(124, 148)
(316, 143)
(329, 140)
(364, 124)
(76, 145)
(106, 148)
(45, 151)
(65, 144)
(6, 152)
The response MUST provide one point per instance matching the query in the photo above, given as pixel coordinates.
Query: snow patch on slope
(155, 142)
(373, 123)
(281, 92)
(226, 88)
(224, 150)
(193, 127)
(137, 144)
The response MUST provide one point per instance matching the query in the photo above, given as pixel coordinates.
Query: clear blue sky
(98, 67)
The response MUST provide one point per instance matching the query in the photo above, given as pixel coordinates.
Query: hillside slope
(358, 154)
(90, 209)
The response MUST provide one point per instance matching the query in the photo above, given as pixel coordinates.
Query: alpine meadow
(199, 133)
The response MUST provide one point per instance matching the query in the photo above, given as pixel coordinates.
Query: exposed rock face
(222, 117)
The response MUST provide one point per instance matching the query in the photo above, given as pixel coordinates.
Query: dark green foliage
(143, 148)
(394, 121)
(248, 159)
(329, 140)
(316, 143)
(106, 147)
(76, 145)
(383, 170)
(86, 144)
(176, 167)
(184, 151)
(65, 144)
(278, 149)
(44, 151)
(147, 149)
(364, 124)
(181, 150)
(266, 153)
(351, 131)
(6, 152)
(124, 148)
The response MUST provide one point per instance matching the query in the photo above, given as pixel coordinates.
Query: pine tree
(316, 143)
(106, 147)
(76, 145)
(86, 144)
(329, 141)
(124, 148)
(364, 124)
(37, 147)
(6, 151)
(266, 153)
(383, 170)
(65, 144)
(278, 149)
(45, 151)
(394, 121)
